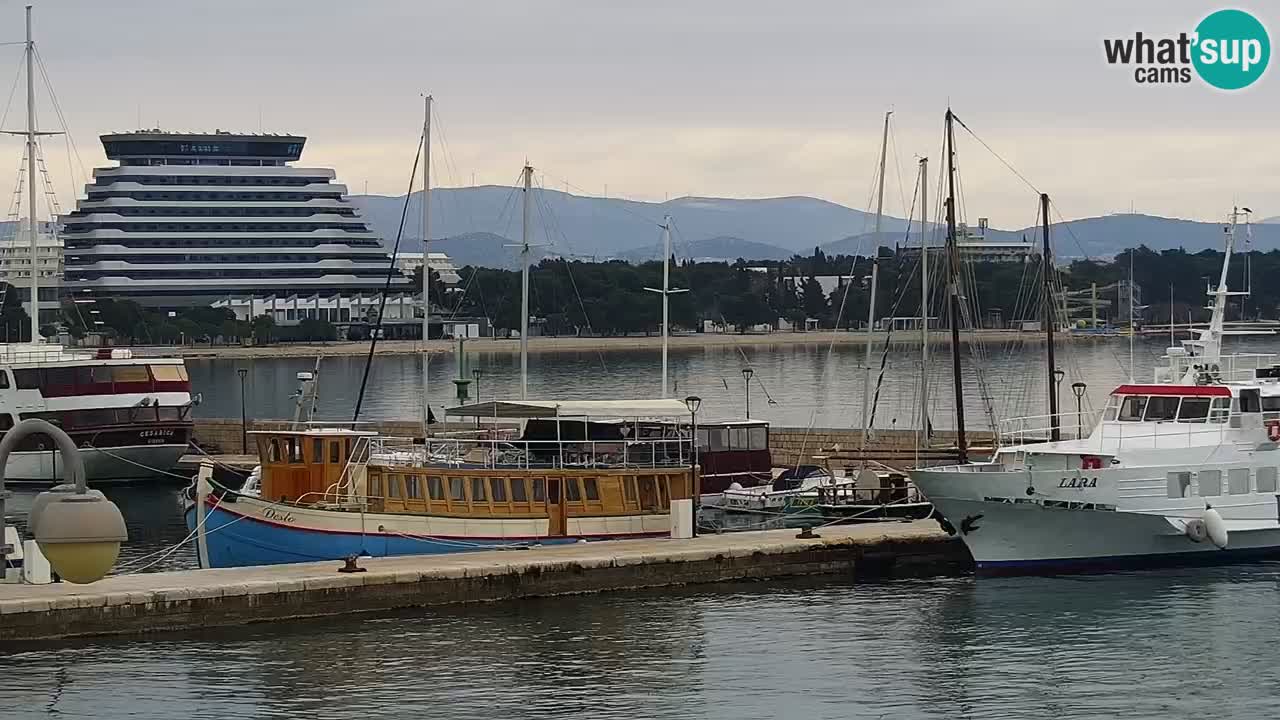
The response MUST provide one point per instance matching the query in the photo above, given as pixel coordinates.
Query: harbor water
(1173, 643)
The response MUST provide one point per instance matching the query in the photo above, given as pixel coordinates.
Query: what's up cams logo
(1229, 50)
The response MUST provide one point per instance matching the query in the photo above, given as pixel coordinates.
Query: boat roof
(511, 409)
(1180, 390)
(311, 432)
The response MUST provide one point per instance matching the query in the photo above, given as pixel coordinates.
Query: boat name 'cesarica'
(1078, 483)
(278, 516)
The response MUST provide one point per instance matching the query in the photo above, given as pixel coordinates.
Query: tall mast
(426, 261)
(875, 277)
(524, 285)
(31, 183)
(953, 291)
(924, 299)
(666, 288)
(1046, 269)
(1131, 327)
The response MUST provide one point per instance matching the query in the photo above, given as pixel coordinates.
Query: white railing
(1039, 428)
(532, 454)
(1238, 367)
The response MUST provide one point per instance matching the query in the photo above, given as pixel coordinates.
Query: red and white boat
(130, 416)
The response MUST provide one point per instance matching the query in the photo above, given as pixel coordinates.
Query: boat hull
(242, 531)
(125, 464)
(1028, 538)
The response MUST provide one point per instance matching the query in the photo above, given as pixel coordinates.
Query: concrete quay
(193, 599)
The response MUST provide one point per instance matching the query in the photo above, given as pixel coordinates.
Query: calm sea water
(793, 385)
(1196, 643)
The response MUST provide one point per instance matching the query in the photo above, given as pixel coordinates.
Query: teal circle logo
(1231, 49)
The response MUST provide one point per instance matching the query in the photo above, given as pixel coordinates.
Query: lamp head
(1078, 388)
(81, 535)
(747, 373)
(475, 373)
(1058, 375)
(693, 402)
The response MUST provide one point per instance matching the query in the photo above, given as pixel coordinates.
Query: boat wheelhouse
(328, 494)
(733, 451)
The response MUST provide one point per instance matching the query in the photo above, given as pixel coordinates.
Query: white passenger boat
(1181, 470)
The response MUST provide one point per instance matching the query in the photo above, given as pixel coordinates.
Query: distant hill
(724, 248)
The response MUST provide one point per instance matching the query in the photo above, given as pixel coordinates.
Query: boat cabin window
(1266, 479)
(413, 487)
(1210, 483)
(629, 490)
(4, 380)
(1220, 410)
(571, 491)
(375, 486)
(317, 450)
(1238, 481)
(759, 438)
(519, 493)
(1134, 405)
(1250, 401)
(435, 487)
(273, 451)
(1161, 408)
(295, 449)
(457, 489)
(1179, 483)
(719, 439)
(539, 490)
(393, 486)
(590, 489)
(169, 373)
(738, 438)
(27, 378)
(1194, 409)
(478, 493)
(1113, 407)
(498, 489)
(703, 439)
(1271, 404)
(335, 452)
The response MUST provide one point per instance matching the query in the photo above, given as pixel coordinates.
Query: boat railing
(672, 452)
(1039, 428)
(1237, 367)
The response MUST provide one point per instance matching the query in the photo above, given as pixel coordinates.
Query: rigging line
(386, 288)
(544, 210)
(9, 103)
(997, 155)
(62, 120)
(1067, 226)
(897, 162)
(903, 287)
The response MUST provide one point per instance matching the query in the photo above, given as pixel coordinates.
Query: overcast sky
(733, 98)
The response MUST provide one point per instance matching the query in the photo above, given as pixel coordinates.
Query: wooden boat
(328, 494)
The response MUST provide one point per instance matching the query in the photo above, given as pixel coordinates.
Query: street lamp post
(746, 377)
(78, 529)
(1078, 388)
(693, 402)
(1054, 422)
(475, 375)
(244, 417)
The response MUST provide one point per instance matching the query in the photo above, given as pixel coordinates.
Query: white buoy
(1216, 527)
(735, 486)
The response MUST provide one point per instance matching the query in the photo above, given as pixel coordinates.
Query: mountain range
(475, 225)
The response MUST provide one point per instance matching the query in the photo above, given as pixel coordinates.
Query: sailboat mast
(1046, 269)
(524, 285)
(426, 262)
(924, 299)
(31, 183)
(666, 300)
(953, 291)
(1131, 327)
(875, 277)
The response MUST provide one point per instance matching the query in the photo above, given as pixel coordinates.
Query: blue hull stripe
(236, 540)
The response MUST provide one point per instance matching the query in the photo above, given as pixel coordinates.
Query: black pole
(953, 292)
(1046, 269)
(1079, 417)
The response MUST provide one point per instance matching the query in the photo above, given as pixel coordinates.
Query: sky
(664, 99)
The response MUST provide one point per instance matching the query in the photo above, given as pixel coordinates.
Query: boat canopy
(510, 409)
